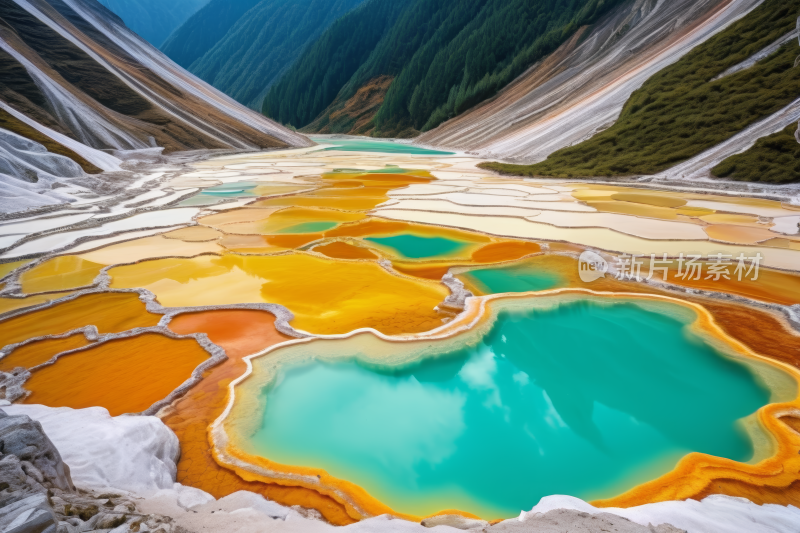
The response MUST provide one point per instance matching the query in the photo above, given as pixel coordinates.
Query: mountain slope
(264, 43)
(154, 20)
(581, 88)
(445, 57)
(772, 159)
(75, 81)
(204, 29)
(694, 104)
(327, 65)
(242, 47)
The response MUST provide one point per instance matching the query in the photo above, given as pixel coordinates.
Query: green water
(415, 247)
(388, 169)
(238, 189)
(309, 227)
(218, 193)
(358, 145)
(585, 400)
(512, 279)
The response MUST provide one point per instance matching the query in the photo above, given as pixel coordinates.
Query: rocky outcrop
(37, 494)
(12, 384)
(134, 454)
(30, 470)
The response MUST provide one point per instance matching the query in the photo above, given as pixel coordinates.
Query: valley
(389, 266)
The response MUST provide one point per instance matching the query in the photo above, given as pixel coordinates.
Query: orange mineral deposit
(124, 376)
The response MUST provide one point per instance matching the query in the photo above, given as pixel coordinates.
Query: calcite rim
(776, 470)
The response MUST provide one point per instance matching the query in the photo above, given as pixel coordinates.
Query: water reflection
(584, 399)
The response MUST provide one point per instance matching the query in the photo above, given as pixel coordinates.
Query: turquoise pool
(512, 279)
(218, 193)
(358, 145)
(585, 399)
(415, 247)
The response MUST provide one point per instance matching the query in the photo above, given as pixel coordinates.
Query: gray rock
(13, 478)
(24, 438)
(37, 494)
(110, 520)
(11, 384)
(32, 514)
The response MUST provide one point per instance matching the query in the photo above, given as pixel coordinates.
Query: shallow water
(239, 189)
(59, 274)
(326, 296)
(124, 376)
(309, 227)
(352, 145)
(520, 278)
(583, 399)
(415, 247)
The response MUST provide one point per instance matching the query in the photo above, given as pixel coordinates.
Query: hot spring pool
(586, 398)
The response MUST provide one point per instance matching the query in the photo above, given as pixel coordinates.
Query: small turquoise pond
(218, 193)
(415, 247)
(512, 279)
(358, 145)
(241, 188)
(582, 399)
(309, 227)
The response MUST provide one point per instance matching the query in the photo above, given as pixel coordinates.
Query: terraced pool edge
(776, 470)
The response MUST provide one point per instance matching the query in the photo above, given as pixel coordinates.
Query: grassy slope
(680, 112)
(773, 159)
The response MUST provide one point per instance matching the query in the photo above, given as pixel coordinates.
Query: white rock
(239, 501)
(712, 515)
(786, 225)
(137, 454)
(189, 497)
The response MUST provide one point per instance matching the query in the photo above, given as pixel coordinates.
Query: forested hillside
(694, 105)
(444, 56)
(259, 46)
(154, 20)
(321, 72)
(204, 29)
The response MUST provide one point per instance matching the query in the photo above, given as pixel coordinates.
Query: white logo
(591, 266)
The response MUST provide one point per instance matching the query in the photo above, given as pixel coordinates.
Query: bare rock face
(37, 494)
(23, 438)
(12, 384)
(30, 467)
